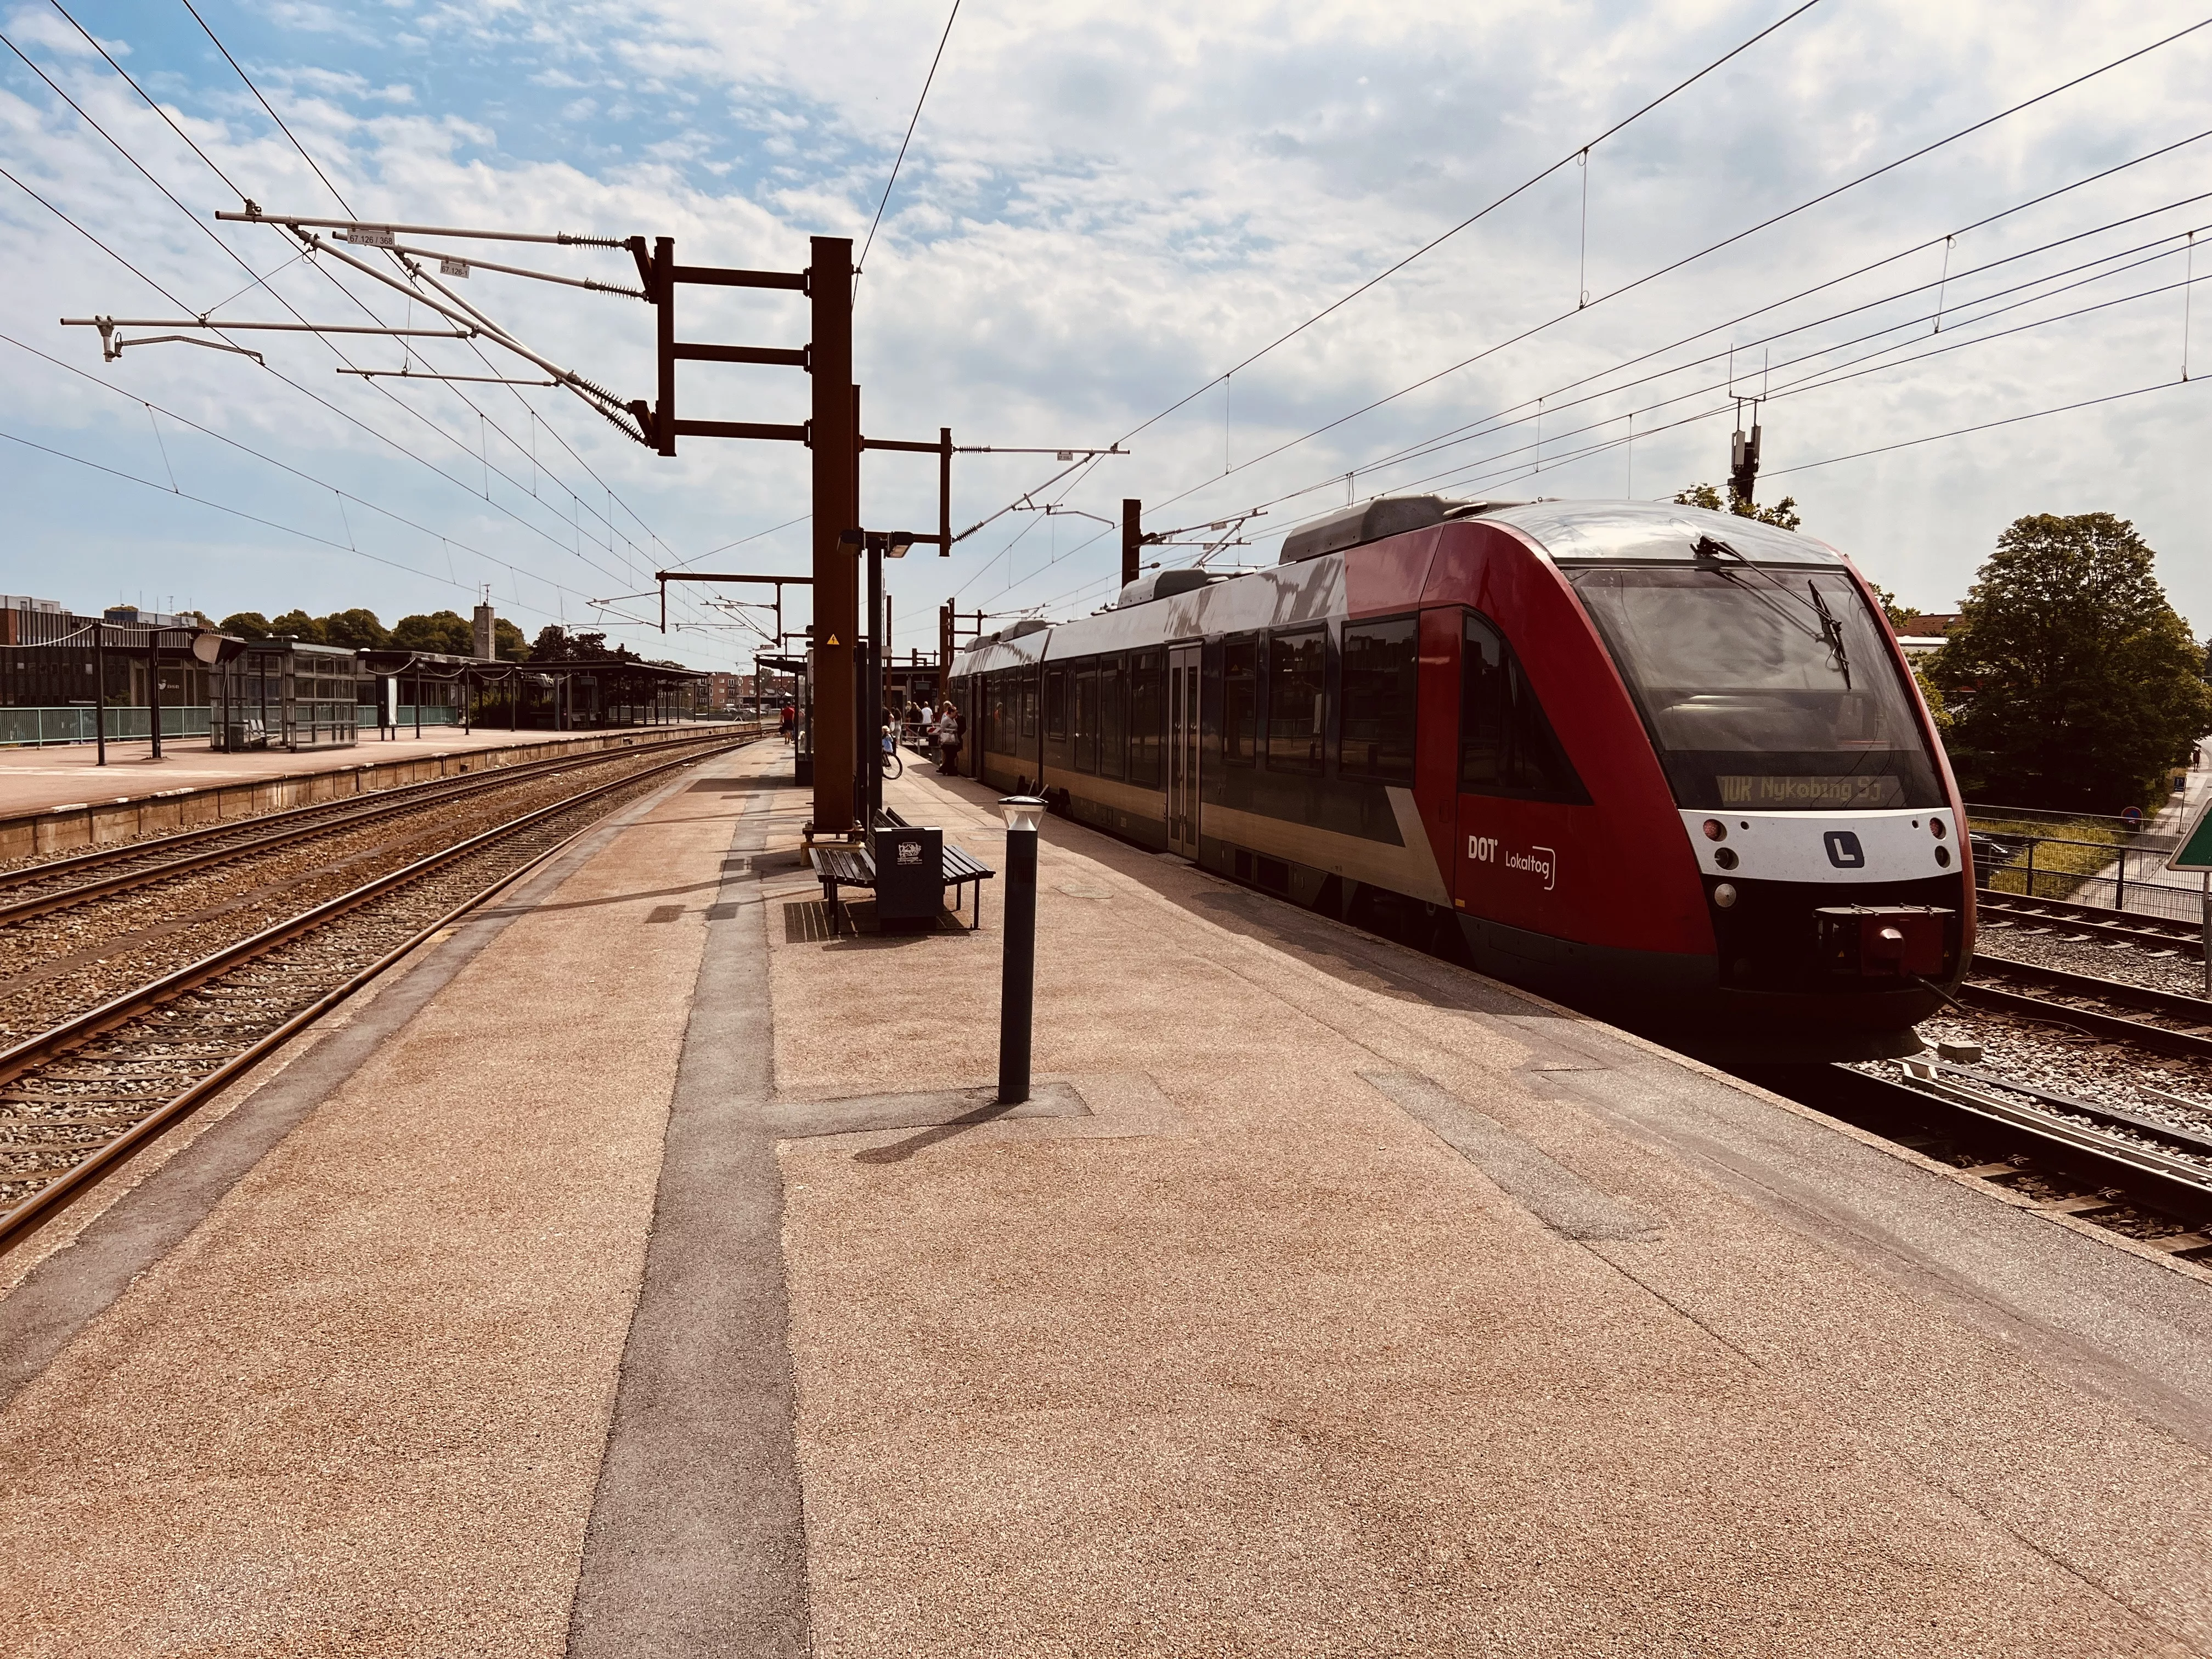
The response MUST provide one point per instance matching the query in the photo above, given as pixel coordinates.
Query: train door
(1182, 751)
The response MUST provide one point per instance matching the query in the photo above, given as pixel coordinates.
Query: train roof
(1614, 533)
(1309, 585)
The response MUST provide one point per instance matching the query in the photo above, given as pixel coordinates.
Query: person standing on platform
(948, 740)
(790, 719)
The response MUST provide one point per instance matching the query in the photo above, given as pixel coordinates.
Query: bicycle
(889, 760)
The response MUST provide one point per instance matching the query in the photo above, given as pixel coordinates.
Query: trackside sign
(2195, 851)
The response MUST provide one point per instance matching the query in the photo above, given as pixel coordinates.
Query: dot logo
(1843, 849)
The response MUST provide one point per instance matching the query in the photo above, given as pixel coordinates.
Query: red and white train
(1666, 763)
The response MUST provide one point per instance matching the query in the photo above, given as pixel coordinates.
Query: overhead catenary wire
(123, 150)
(260, 281)
(1489, 469)
(1499, 416)
(150, 102)
(1504, 420)
(1484, 212)
(1706, 251)
(861, 264)
(339, 197)
(1677, 265)
(1580, 151)
(285, 467)
(514, 569)
(1982, 426)
(1473, 472)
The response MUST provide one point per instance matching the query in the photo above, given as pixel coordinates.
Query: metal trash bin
(910, 874)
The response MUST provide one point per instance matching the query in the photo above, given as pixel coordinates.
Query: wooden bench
(855, 867)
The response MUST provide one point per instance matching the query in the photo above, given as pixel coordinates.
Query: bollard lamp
(1018, 969)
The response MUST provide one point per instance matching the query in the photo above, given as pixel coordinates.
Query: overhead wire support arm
(111, 349)
(404, 373)
(1073, 457)
(1065, 454)
(665, 577)
(254, 216)
(465, 313)
(469, 265)
(284, 328)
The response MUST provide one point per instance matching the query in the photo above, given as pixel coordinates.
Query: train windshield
(1766, 690)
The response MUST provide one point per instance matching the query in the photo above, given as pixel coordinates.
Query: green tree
(2071, 682)
(245, 625)
(1939, 707)
(556, 644)
(1783, 515)
(440, 630)
(1902, 618)
(508, 642)
(358, 628)
(300, 625)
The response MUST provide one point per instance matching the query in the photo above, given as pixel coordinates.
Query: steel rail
(2182, 1044)
(2174, 1132)
(96, 855)
(2040, 1120)
(16, 1060)
(39, 1206)
(282, 829)
(2194, 1039)
(2178, 1188)
(2097, 919)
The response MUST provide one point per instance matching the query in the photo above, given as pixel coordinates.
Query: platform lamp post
(99, 689)
(880, 545)
(1017, 970)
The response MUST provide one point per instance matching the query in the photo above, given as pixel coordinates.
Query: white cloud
(1103, 210)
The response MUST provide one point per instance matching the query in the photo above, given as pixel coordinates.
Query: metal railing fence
(2120, 876)
(24, 728)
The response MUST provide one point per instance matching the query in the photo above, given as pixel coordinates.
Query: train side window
(1506, 745)
(1029, 700)
(1240, 698)
(1297, 680)
(1381, 680)
(1113, 719)
(1148, 686)
(1055, 705)
(1086, 718)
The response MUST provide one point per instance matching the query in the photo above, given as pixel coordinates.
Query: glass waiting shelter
(285, 694)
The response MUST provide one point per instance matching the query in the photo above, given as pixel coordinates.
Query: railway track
(2165, 1022)
(57, 883)
(2065, 917)
(80, 1098)
(2045, 1117)
(2144, 1177)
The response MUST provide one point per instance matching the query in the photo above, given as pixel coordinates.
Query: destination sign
(1810, 794)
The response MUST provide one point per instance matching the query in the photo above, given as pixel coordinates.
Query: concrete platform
(641, 1273)
(56, 800)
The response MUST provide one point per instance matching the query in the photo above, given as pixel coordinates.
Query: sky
(1103, 227)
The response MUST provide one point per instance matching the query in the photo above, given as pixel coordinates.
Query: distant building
(1929, 630)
